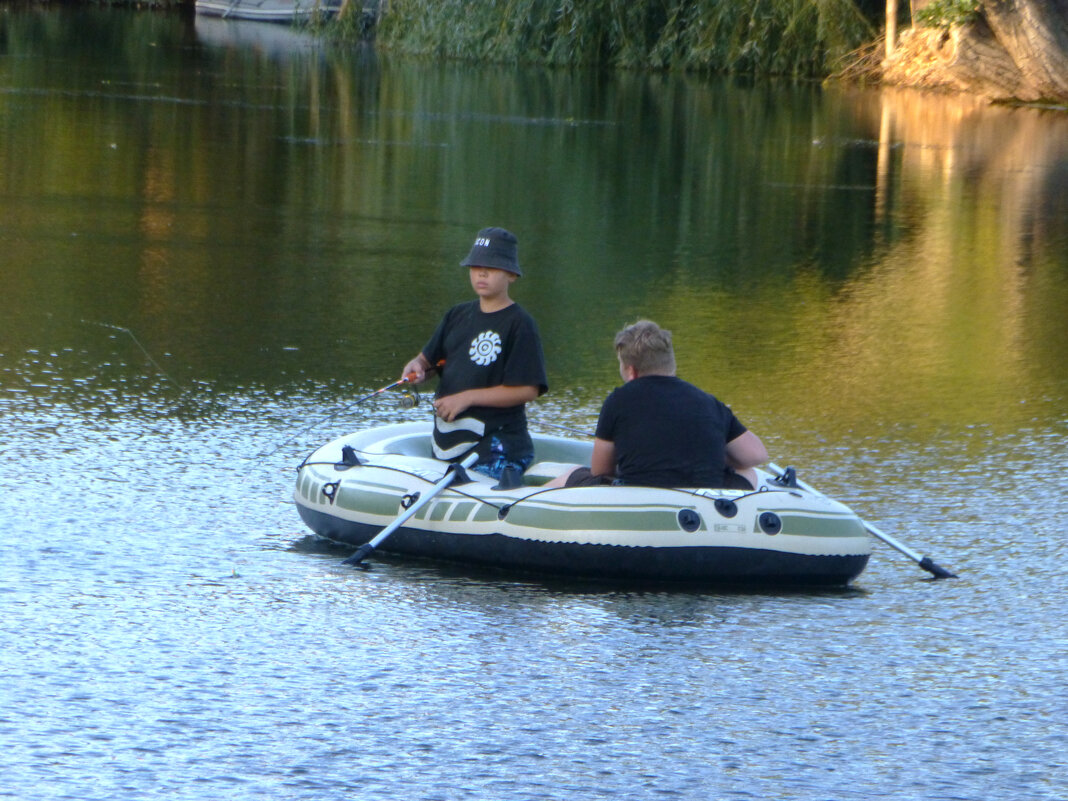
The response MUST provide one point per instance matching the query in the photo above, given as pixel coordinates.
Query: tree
(1001, 49)
(1034, 33)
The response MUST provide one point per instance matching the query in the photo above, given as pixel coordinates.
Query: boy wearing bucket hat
(493, 364)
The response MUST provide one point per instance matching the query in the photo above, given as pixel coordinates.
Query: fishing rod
(407, 402)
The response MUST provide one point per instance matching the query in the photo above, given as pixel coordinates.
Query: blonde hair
(646, 347)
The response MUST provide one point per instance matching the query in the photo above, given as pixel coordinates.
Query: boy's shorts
(584, 477)
(497, 462)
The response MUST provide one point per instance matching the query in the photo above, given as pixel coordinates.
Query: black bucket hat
(494, 247)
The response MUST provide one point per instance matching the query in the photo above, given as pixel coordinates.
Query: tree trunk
(976, 62)
(891, 27)
(1015, 50)
(1035, 35)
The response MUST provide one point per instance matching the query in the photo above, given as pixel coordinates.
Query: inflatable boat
(357, 487)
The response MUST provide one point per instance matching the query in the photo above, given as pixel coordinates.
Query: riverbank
(1012, 52)
(1005, 51)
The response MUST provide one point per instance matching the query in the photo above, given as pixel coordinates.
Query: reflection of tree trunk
(882, 163)
(976, 191)
(1016, 50)
(1013, 157)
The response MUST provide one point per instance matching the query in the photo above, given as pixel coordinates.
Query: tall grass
(783, 37)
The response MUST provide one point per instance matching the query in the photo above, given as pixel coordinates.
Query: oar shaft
(875, 532)
(439, 486)
(923, 561)
(895, 544)
(411, 511)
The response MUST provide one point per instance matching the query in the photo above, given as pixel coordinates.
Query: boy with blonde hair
(658, 430)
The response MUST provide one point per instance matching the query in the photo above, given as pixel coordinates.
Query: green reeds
(782, 37)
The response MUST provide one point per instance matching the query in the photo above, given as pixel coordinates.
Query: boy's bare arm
(603, 462)
(745, 451)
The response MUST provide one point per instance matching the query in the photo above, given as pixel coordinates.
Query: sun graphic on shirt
(485, 348)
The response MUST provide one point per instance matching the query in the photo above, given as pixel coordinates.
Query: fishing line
(545, 424)
(407, 401)
(137, 342)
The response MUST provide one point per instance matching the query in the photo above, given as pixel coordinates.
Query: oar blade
(361, 553)
(934, 569)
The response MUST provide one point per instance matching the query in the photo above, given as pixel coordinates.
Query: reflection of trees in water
(996, 174)
(959, 143)
(296, 220)
(957, 313)
(951, 312)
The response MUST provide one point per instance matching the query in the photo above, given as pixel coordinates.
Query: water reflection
(277, 213)
(875, 280)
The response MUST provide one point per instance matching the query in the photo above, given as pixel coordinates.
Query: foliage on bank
(944, 14)
(780, 37)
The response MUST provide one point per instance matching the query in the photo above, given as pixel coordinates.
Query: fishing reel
(409, 398)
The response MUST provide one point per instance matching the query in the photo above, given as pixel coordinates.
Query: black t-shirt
(668, 433)
(487, 350)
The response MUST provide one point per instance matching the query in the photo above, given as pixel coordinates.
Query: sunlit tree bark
(891, 27)
(1011, 50)
(1035, 35)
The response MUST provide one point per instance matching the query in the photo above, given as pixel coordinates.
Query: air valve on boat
(770, 523)
(726, 507)
(689, 520)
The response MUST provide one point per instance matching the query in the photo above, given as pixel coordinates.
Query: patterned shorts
(497, 461)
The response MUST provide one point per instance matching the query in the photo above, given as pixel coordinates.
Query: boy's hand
(449, 407)
(414, 371)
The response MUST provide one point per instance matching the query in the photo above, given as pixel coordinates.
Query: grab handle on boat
(923, 561)
(454, 473)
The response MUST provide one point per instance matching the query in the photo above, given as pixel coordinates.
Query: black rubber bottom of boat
(692, 565)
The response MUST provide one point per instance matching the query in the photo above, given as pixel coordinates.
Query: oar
(451, 475)
(923, 561)
(408, 379)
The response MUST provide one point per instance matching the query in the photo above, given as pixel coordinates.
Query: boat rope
(502, 511)
(725, 506)
(407, 500)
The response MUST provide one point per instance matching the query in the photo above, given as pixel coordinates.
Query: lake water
(213, 235)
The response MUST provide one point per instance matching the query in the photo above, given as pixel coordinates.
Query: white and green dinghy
(351, 489)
